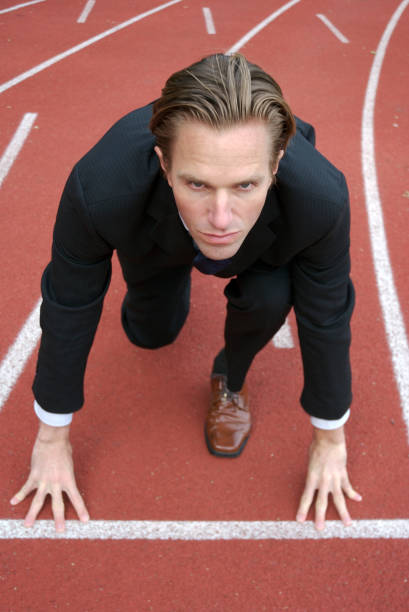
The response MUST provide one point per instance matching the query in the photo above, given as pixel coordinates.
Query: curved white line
(388, 297)
(240, 43)
(18, 6)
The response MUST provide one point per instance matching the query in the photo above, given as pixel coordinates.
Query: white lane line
(333, 29)
(16, 358)
(18, 6)
(283, 338)
(240, 43)
(57, 58)
(388, 296)
(207, 13)
(14, 147)
(205, 530)
(86, 11)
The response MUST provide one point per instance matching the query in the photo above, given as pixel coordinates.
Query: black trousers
(258, 301)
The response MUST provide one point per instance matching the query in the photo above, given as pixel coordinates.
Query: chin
(219, 252)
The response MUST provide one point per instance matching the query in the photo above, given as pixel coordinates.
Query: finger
(305, 502)
(321, 509)
(78, 503)
(24, 491)
(57, 506)
(36, 505)
(350, 492)
(339, 501)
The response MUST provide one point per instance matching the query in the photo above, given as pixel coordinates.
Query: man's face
(220, 180)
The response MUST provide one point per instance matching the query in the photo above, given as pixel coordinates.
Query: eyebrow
(194, 179)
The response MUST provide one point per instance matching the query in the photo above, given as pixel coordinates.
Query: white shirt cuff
(51, 418)
(326, 424)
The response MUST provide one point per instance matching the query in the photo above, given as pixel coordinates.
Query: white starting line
(205, 530)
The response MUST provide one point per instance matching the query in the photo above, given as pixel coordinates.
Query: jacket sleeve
(323, 304)
(73, 288)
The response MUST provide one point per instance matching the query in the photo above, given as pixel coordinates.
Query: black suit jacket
(117, 199)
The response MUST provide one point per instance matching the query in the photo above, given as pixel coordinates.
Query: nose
(220, 212)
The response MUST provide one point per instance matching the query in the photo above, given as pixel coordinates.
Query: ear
(159, 153)
(279, 156)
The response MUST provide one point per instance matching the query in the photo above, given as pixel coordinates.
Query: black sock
(220, 363)
(220, 367)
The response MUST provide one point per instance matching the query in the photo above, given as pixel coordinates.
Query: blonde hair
(221, 91)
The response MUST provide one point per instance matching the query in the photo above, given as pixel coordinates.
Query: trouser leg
(258, 302)
(155, 308)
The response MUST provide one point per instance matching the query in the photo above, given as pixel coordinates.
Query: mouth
(219, 238)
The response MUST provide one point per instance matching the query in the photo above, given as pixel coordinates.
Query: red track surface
(139, 443)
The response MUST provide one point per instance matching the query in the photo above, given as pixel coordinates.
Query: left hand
(327, 473)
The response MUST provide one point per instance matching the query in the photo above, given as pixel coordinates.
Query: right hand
(52, 473)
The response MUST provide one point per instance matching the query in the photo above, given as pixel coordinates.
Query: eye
(196, 185)
(247, 186)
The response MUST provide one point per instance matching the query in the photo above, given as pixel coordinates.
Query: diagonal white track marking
(86, 11)
(208, 17)
(14, 147)
(333, 29)
(240, 43)
(16, 358)
(57, 58)
(388, 296)
(18, 6)
(283, 339)
(205, 530)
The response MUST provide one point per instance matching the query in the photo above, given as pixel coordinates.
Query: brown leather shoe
(228, 421)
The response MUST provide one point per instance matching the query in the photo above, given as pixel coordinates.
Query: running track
(141, 461)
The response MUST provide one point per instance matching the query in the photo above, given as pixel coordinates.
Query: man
(200, 178)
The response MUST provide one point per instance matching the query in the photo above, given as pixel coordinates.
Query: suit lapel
(168, 231)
